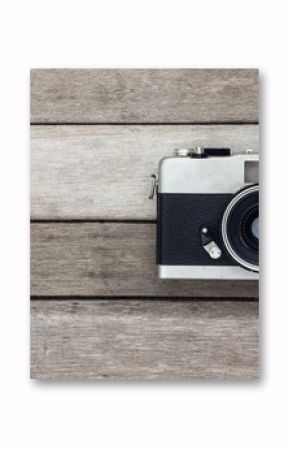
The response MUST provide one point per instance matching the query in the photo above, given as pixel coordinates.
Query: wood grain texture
(103, 171)
(130, 328)
(144, 340)
(110, 259)
(144, 95)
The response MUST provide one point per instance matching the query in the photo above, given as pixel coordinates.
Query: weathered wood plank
(103, 171)
(110, 259)
(144, 340)
(138, 96)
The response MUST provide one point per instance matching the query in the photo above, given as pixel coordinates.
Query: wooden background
(97, 308)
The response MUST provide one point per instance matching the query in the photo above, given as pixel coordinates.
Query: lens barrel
(240, 228)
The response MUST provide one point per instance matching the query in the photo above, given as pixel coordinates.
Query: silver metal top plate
(205, 175)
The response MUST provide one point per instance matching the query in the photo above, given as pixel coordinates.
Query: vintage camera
(208, 215)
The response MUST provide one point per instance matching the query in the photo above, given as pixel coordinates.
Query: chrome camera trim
(200, 272)
(210, 175)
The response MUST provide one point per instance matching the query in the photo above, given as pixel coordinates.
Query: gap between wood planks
(128, 298)
(216, 123)
(91, 220)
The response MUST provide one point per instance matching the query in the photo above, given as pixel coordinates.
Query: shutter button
(183, 152)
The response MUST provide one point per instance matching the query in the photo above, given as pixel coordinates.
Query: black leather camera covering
(180, 220)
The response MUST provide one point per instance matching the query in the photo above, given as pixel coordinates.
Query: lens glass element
(255, 227)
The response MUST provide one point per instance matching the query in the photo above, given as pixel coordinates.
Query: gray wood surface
(144, 340)
(98, 309)
(142, 96)
(110, 259)
(103, 171)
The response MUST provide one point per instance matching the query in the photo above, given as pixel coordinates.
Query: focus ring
(251, 241)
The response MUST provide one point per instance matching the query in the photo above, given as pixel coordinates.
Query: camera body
(208, 215)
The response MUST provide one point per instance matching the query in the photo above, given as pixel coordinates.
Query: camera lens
(240, 228)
